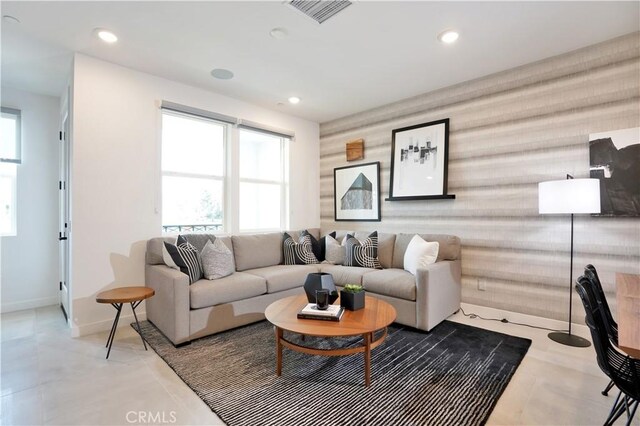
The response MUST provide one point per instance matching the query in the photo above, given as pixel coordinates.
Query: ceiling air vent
(319, 11)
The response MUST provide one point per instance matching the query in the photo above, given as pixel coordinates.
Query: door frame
(64, 207)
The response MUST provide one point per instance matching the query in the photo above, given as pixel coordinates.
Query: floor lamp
(570, 196)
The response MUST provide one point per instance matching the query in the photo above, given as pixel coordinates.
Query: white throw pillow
(419, 254)
(334, 251)
(217, 260)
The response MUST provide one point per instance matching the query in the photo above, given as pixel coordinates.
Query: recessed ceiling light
(279, 33)
(105, 35)
(222, 74)
(294, 100)
(448, 36)
(9, 18)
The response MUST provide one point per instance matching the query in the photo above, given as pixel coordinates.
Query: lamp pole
(568, 338)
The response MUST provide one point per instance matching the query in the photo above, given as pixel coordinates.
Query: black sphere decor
(320, 281)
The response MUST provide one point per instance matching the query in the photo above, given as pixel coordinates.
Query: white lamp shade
(569, 196)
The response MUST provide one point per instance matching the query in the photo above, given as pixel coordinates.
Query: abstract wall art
(419, 162)
(357, 192)
(615, 160)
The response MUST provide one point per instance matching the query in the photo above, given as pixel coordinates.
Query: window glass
(261, 156)
(260, 206)
(10, 135)
(192, 145)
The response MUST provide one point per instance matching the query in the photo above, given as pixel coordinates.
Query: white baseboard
(29, 304)
(105, 325)
(523, 318)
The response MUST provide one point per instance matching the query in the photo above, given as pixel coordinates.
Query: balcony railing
(192, 228)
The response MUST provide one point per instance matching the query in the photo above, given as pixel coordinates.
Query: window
(10, 157)
(10, 144)
(220, 173)
(193, 173)
(262, 180)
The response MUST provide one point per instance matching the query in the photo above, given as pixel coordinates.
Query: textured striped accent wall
(508, 132)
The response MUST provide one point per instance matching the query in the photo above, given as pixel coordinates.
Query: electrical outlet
(482, 284)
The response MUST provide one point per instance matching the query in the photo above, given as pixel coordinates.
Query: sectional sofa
(185, 312)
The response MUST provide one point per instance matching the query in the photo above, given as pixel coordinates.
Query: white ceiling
(371, 54)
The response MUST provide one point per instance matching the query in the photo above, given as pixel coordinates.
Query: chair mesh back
(612, 327)
(623, 370)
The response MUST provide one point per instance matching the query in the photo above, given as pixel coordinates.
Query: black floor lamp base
(569, 339)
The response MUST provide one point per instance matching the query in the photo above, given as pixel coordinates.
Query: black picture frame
(356, 193)
(420, 162)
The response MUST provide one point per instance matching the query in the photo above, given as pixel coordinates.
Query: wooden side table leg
(133, 308)
(367, 358)
(118, 307)
(279, 335)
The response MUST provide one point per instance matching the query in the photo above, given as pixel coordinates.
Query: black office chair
(612, 327)
(623, 370)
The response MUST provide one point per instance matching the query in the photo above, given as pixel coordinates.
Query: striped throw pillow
(362, 253)
(184, 257)
(298, 253)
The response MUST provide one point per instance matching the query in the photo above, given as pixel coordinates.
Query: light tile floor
(47, 377)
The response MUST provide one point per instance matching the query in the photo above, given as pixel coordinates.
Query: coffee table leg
(367, 358)
(279, 335)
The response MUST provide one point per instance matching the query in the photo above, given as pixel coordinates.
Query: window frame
(18, 142)
(212, 177)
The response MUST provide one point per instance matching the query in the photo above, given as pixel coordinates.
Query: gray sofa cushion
(391, 282)
(257, 251)
(386, 244)
(237, 286)
(153, 255)
(345, 274)
(284, 277)
(449, 247)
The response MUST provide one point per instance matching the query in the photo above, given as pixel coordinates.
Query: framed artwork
(356, 193)
(419, 162)
(614, 158)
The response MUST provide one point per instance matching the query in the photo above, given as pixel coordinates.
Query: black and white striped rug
(452, 375)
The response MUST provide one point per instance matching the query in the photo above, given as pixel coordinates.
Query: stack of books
(332, 313)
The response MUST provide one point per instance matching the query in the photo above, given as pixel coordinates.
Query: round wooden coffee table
(116, 297)
(376, 315)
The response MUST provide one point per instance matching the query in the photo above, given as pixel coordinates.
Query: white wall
(115, 175)
(29, 272)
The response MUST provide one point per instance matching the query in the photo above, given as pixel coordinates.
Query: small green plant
(353, 288)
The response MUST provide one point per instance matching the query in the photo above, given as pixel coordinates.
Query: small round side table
(116, 297)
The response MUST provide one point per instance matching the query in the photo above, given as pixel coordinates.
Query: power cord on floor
(506, 321)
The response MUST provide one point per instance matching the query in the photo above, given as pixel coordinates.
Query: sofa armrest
(438, 293)
(169, 308)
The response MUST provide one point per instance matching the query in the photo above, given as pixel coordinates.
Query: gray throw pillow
(217, 260)
(334, 251)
